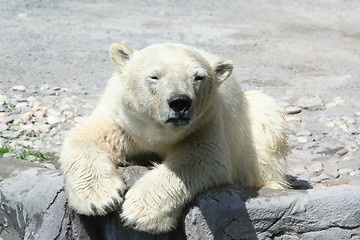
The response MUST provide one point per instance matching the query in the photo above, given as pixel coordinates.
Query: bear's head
(171, 85)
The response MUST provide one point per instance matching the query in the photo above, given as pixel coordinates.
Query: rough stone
(10, 135)
(323, 176)
(69, 114)
(31, 99)
(6, 119)
(53, 112)
(45, 128)
(64, 107)
(3, 127)
(53, 119)
(337, 112)
(21, 105)
(21, 100)
(40, 113)
(246, 213)
(292, 110)
(345, 170)
(34, 206)
(342, 152)
(315, 179)
(317, 167)
(3, 99)
(19, 88)
(302, 139)
(44, 87)
(304, 133)
(311, 103)
(333, 172)
(354, 173)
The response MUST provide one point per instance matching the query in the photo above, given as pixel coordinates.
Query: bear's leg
(157, 200)
(92, 182)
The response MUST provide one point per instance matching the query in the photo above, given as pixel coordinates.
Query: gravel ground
(54, 65)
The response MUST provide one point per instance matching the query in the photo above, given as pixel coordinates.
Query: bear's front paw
(97, 196)
(144, 209)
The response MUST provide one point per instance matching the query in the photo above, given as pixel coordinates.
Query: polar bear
(181, 103)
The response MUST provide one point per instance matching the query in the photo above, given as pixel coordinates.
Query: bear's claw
(103, 209)
(93, 208)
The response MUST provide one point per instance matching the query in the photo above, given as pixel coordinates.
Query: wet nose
(179, 102)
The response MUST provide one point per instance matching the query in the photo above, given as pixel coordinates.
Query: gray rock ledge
(34, 206)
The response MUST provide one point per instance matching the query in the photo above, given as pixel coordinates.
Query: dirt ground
(295, 51)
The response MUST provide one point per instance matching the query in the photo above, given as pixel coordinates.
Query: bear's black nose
(179, 102)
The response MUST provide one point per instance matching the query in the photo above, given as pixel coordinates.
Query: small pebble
(22, 15)
(6, 119)
(302, 139)
(299, 170)
(342, 152)
(53, 112)
(292, 110)
(354, 173)
(316, 167)
(50, 166)
(9, 155)
(64, 107)
(21, 105)
(44, 87)
(16, 111)
(315, 179)
(351, 121)
(31, 99)
(292, 119)
(19, 88)
(10, 135)
(68, 99)
(40, 114)
(330, 105)
(21, 100)
(319, 186)
(53, 119)
(323, 176)
(69, 114)
(339, 100)
(3, 127)
(44, 128)
(304, 133)
(345, 171)
(311, 103)
(3, 99)
(333, 172)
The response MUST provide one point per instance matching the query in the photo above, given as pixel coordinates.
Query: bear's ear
(222, 69)
(120, 53)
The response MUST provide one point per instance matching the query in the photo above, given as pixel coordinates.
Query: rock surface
(247, 213)
(34, 206)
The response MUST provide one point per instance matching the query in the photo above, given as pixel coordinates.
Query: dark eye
(154, 77)
(199, 78)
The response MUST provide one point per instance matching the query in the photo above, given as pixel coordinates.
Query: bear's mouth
(178, 121)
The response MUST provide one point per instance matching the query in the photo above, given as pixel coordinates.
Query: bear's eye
(154, 77)
(199, 78)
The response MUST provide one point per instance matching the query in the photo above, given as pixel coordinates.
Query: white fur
(232, 137)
